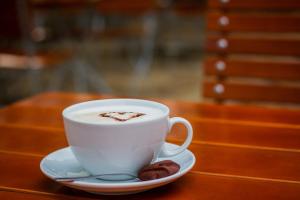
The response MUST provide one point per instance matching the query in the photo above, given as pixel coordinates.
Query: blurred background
(220, 51)
(136, 48)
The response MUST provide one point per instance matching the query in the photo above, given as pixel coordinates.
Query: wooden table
(242, 152)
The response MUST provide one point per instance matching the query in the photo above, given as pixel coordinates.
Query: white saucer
(62, 163)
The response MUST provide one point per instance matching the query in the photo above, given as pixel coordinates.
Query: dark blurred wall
(10, 27)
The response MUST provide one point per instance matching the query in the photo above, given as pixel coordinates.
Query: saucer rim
(116, 184)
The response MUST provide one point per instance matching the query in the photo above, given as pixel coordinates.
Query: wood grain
(204, 185)
(15, 60)
(211, 157)
(256, 4)
(51, 104)
(205, 131)
(254, 45)
(24, 117)
(9, 193)
(258, 22)
(240, 151)
(253, 92)
(255, 68)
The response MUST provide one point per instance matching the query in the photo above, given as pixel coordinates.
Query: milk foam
(92, 115)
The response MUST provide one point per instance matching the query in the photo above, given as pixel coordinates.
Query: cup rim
(161, 106)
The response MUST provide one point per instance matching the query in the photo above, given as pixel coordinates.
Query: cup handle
(166, 152)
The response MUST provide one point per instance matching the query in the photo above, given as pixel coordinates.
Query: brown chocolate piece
(158, 170)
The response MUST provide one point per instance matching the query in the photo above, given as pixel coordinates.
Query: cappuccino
(116, 114)
(114, 136)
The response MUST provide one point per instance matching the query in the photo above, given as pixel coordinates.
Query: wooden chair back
(254, 51)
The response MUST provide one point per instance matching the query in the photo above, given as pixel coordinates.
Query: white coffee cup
(109, 148)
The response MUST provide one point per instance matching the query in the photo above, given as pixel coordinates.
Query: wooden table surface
(242, 152)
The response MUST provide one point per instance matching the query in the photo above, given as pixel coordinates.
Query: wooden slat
(256, 4)
(250, 92)
(288, 70)
(28, 112)
(222, 171)
(31, 116)
(244, 135)
(60, 3)
(133, 7)
(41, 60)
(254, 45)
(10, 193)
(204, 186)
(40, 141)
(247, 162)
(61, 99)
(211, 157)
(245, 22)
(189, 7)
(29, 176)
(15, 137)
(117, 7)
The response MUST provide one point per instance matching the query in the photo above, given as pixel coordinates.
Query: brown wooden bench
(253, 51)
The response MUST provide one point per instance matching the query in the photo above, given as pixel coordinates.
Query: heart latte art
(121, 116)
(116, 114)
